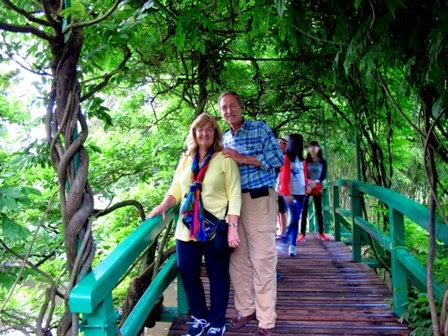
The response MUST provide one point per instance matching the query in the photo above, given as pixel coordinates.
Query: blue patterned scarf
(192, 209)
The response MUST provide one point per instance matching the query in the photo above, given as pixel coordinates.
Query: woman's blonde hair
(201, 121)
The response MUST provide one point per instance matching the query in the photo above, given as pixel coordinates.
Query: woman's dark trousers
(317, 210)
(189, 261)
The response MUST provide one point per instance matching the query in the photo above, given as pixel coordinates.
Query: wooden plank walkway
(323, 293)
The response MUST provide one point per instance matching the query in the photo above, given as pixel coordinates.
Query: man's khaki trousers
(253, 263)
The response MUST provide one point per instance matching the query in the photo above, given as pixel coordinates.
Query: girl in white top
(292, 186)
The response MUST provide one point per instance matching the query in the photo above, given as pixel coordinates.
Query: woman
(219, 194)
(316, 173)
(281, 216)
(292, 186)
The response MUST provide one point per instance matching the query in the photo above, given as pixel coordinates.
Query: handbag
(215, 229)
(211, 223)
(317, 189)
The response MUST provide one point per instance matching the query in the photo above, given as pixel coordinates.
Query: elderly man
(253, 263)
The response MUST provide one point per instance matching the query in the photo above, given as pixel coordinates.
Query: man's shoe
(264, 332)
(213, 331)
(280, 276)
(240, 321)
(197, 327)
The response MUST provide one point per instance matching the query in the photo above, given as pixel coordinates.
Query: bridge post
(326, 209)
(182, 302)
(312, 219)
(337, 223)
(102, 321)
(356, 230)
(399, 276)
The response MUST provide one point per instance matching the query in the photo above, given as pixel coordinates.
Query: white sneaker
(216, 331)
(197, 327)
(292, 250)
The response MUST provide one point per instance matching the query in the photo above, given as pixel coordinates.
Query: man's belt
(256, 192)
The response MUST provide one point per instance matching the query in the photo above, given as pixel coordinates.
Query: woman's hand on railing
(161, 209)
(158, 210)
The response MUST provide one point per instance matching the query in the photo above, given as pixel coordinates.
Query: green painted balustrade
(405, 267)
(92, 296)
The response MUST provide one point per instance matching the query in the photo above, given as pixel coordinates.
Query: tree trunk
(66, 132)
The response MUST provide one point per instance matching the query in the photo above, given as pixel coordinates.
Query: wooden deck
(323, 293)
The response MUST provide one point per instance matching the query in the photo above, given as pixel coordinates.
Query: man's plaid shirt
(255, 138)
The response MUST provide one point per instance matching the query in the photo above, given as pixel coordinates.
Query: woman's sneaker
(213, 331)
(292, 250)
(301, 238)
(322, 236)
(197, 327)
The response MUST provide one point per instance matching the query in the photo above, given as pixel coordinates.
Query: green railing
(404, 266)
(92, 296)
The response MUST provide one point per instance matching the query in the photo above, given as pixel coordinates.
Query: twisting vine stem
(70, 160)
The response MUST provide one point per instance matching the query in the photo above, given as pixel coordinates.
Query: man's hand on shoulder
(240, 158)
(233, 154)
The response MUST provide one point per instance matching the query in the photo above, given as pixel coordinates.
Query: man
(253, 263)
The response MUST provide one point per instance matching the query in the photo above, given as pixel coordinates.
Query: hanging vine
(66, 132)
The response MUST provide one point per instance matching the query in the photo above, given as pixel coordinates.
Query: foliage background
(371, 72)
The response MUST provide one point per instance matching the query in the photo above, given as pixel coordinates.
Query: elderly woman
(205, 182)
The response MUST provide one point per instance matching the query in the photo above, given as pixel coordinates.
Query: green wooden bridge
(328, 289)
